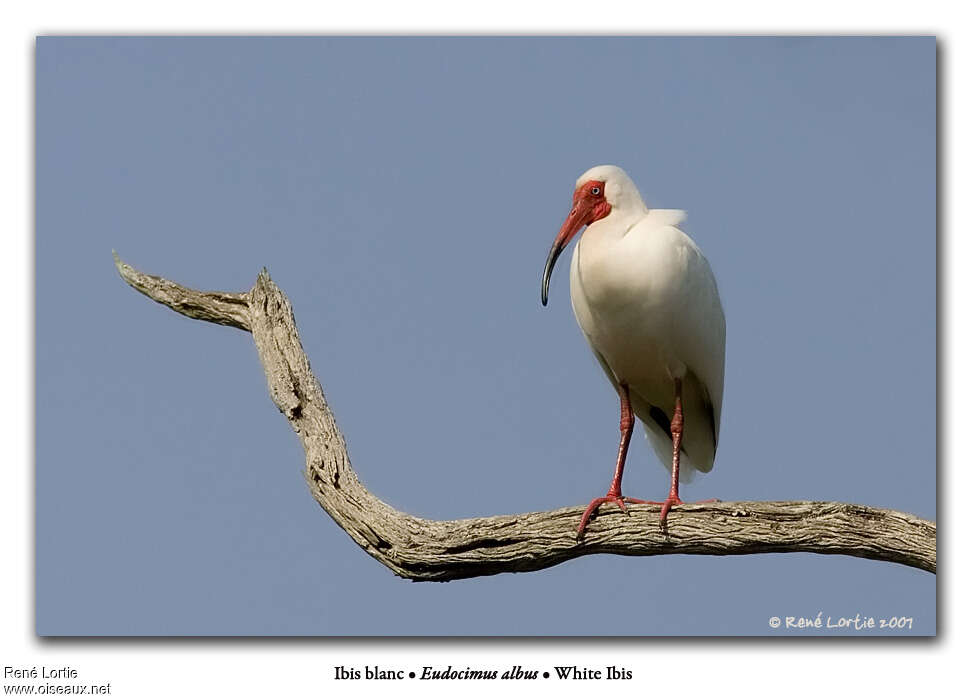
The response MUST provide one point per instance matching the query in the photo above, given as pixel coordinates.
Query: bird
(646, 300)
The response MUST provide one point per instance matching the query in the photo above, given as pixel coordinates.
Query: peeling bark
(443, 550)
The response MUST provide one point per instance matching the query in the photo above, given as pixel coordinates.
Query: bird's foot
(674, 500)
(609, 498)
(667, 506)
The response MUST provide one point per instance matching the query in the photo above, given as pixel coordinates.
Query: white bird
(647, 302)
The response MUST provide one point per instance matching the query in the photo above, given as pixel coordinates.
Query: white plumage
(647, 301)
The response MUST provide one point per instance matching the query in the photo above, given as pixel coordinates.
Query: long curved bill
(578, 218)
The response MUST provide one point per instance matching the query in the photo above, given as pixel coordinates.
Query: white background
(305, 668)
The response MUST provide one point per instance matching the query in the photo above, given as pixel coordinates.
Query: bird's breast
(627, 294)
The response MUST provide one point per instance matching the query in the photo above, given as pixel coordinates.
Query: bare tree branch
(442, 550)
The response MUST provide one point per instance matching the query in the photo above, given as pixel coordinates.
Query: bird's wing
(704, 335)
(697, 328)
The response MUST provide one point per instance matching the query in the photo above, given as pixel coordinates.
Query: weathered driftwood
(441, 550)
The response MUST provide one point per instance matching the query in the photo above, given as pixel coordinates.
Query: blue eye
(595, 191)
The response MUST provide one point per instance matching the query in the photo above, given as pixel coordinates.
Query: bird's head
(597, 192)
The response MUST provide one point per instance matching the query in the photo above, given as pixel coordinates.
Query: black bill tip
(555, 250)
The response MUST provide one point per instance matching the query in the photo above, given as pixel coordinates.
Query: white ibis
(647, 302)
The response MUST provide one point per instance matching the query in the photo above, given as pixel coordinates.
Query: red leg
(677, 425)
(614, 493)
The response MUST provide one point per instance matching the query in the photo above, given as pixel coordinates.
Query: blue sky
(404, 193)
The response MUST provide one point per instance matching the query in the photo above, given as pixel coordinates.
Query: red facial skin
(589, 206)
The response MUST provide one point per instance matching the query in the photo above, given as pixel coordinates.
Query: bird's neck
(615, 225)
